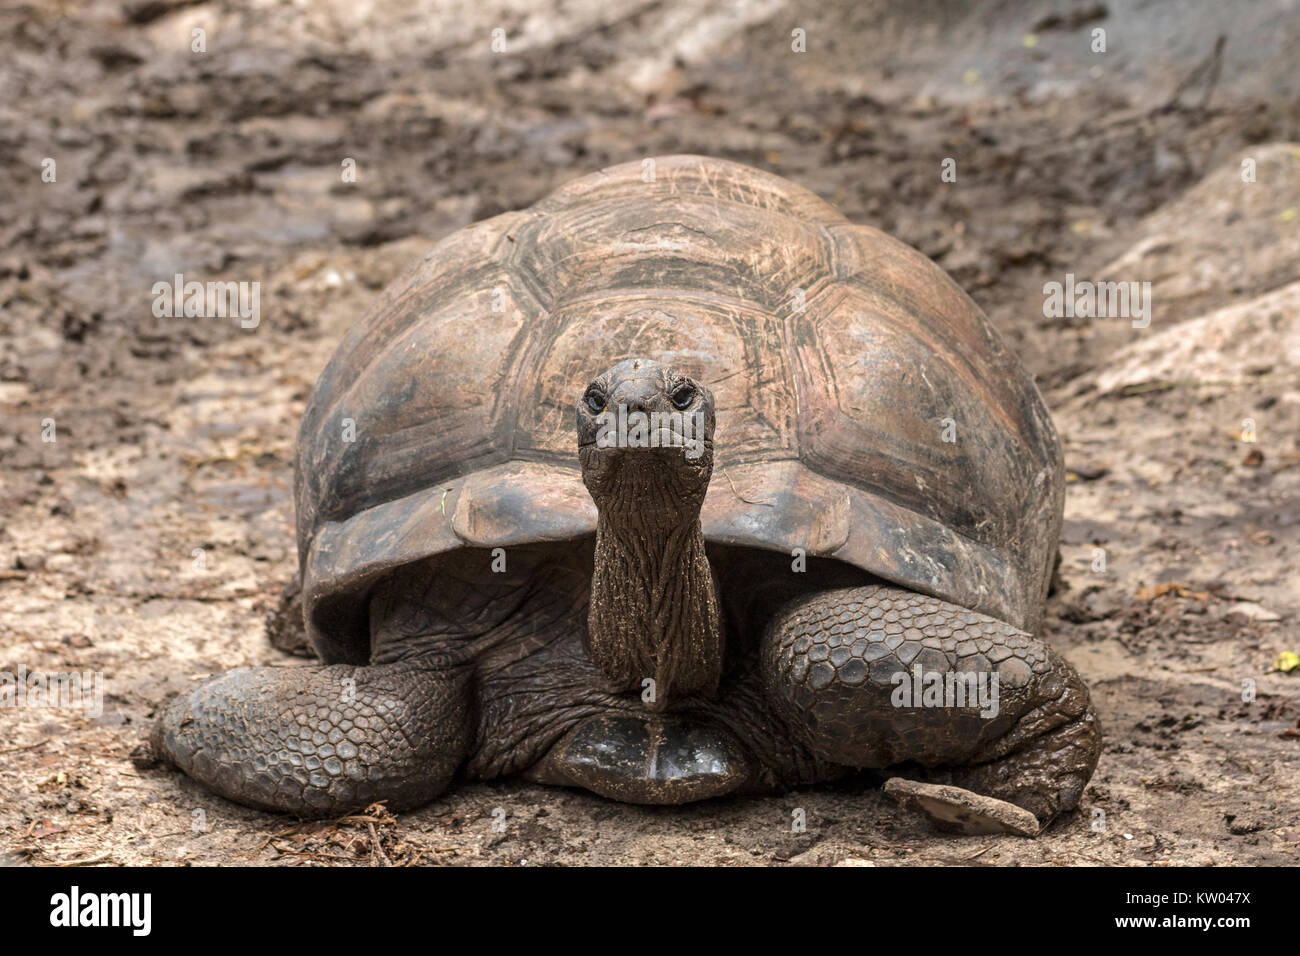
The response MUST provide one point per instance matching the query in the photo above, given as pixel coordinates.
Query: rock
(831, 853)
(1251, 611)
(1221, 239)
(1245, 823)
(1211, 348)
(954, 810)
(1087, 472)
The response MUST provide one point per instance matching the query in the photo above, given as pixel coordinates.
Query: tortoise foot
(660, 759)
(954, 810)
(320, 741)
(875, 676)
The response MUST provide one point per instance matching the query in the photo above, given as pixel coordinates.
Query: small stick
(85, 862)
(14, 750)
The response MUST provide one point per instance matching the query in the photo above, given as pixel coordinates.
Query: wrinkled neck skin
(654, 609)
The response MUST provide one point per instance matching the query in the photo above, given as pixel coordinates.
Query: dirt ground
(1180, 575)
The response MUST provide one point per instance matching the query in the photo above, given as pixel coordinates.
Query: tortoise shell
(866, 410)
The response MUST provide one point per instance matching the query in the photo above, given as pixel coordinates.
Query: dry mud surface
(177, 434)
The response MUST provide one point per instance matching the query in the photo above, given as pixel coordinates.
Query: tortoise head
(645, 440)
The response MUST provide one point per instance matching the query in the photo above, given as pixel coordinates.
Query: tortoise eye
(595, 400)
(682, 396)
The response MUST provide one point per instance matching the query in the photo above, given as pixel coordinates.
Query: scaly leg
(850, 668)
(322, 740)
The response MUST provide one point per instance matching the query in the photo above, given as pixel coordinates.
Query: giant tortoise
(805, 524)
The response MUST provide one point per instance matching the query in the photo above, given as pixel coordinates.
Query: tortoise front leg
(874, 676)
(322, 740)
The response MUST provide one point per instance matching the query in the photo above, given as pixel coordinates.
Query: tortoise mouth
(685, 434)
(668, 446)
(659, 483)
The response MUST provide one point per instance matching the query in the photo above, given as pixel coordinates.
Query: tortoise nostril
(633, 399)
(636, 405)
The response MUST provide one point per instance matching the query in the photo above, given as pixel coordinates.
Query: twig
(283, 833)
(314, 854)
(1207, 70)
(14, 750)
(376, 849)
(85, 862)
(1165, 385)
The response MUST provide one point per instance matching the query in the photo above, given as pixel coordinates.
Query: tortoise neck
(654, 610)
